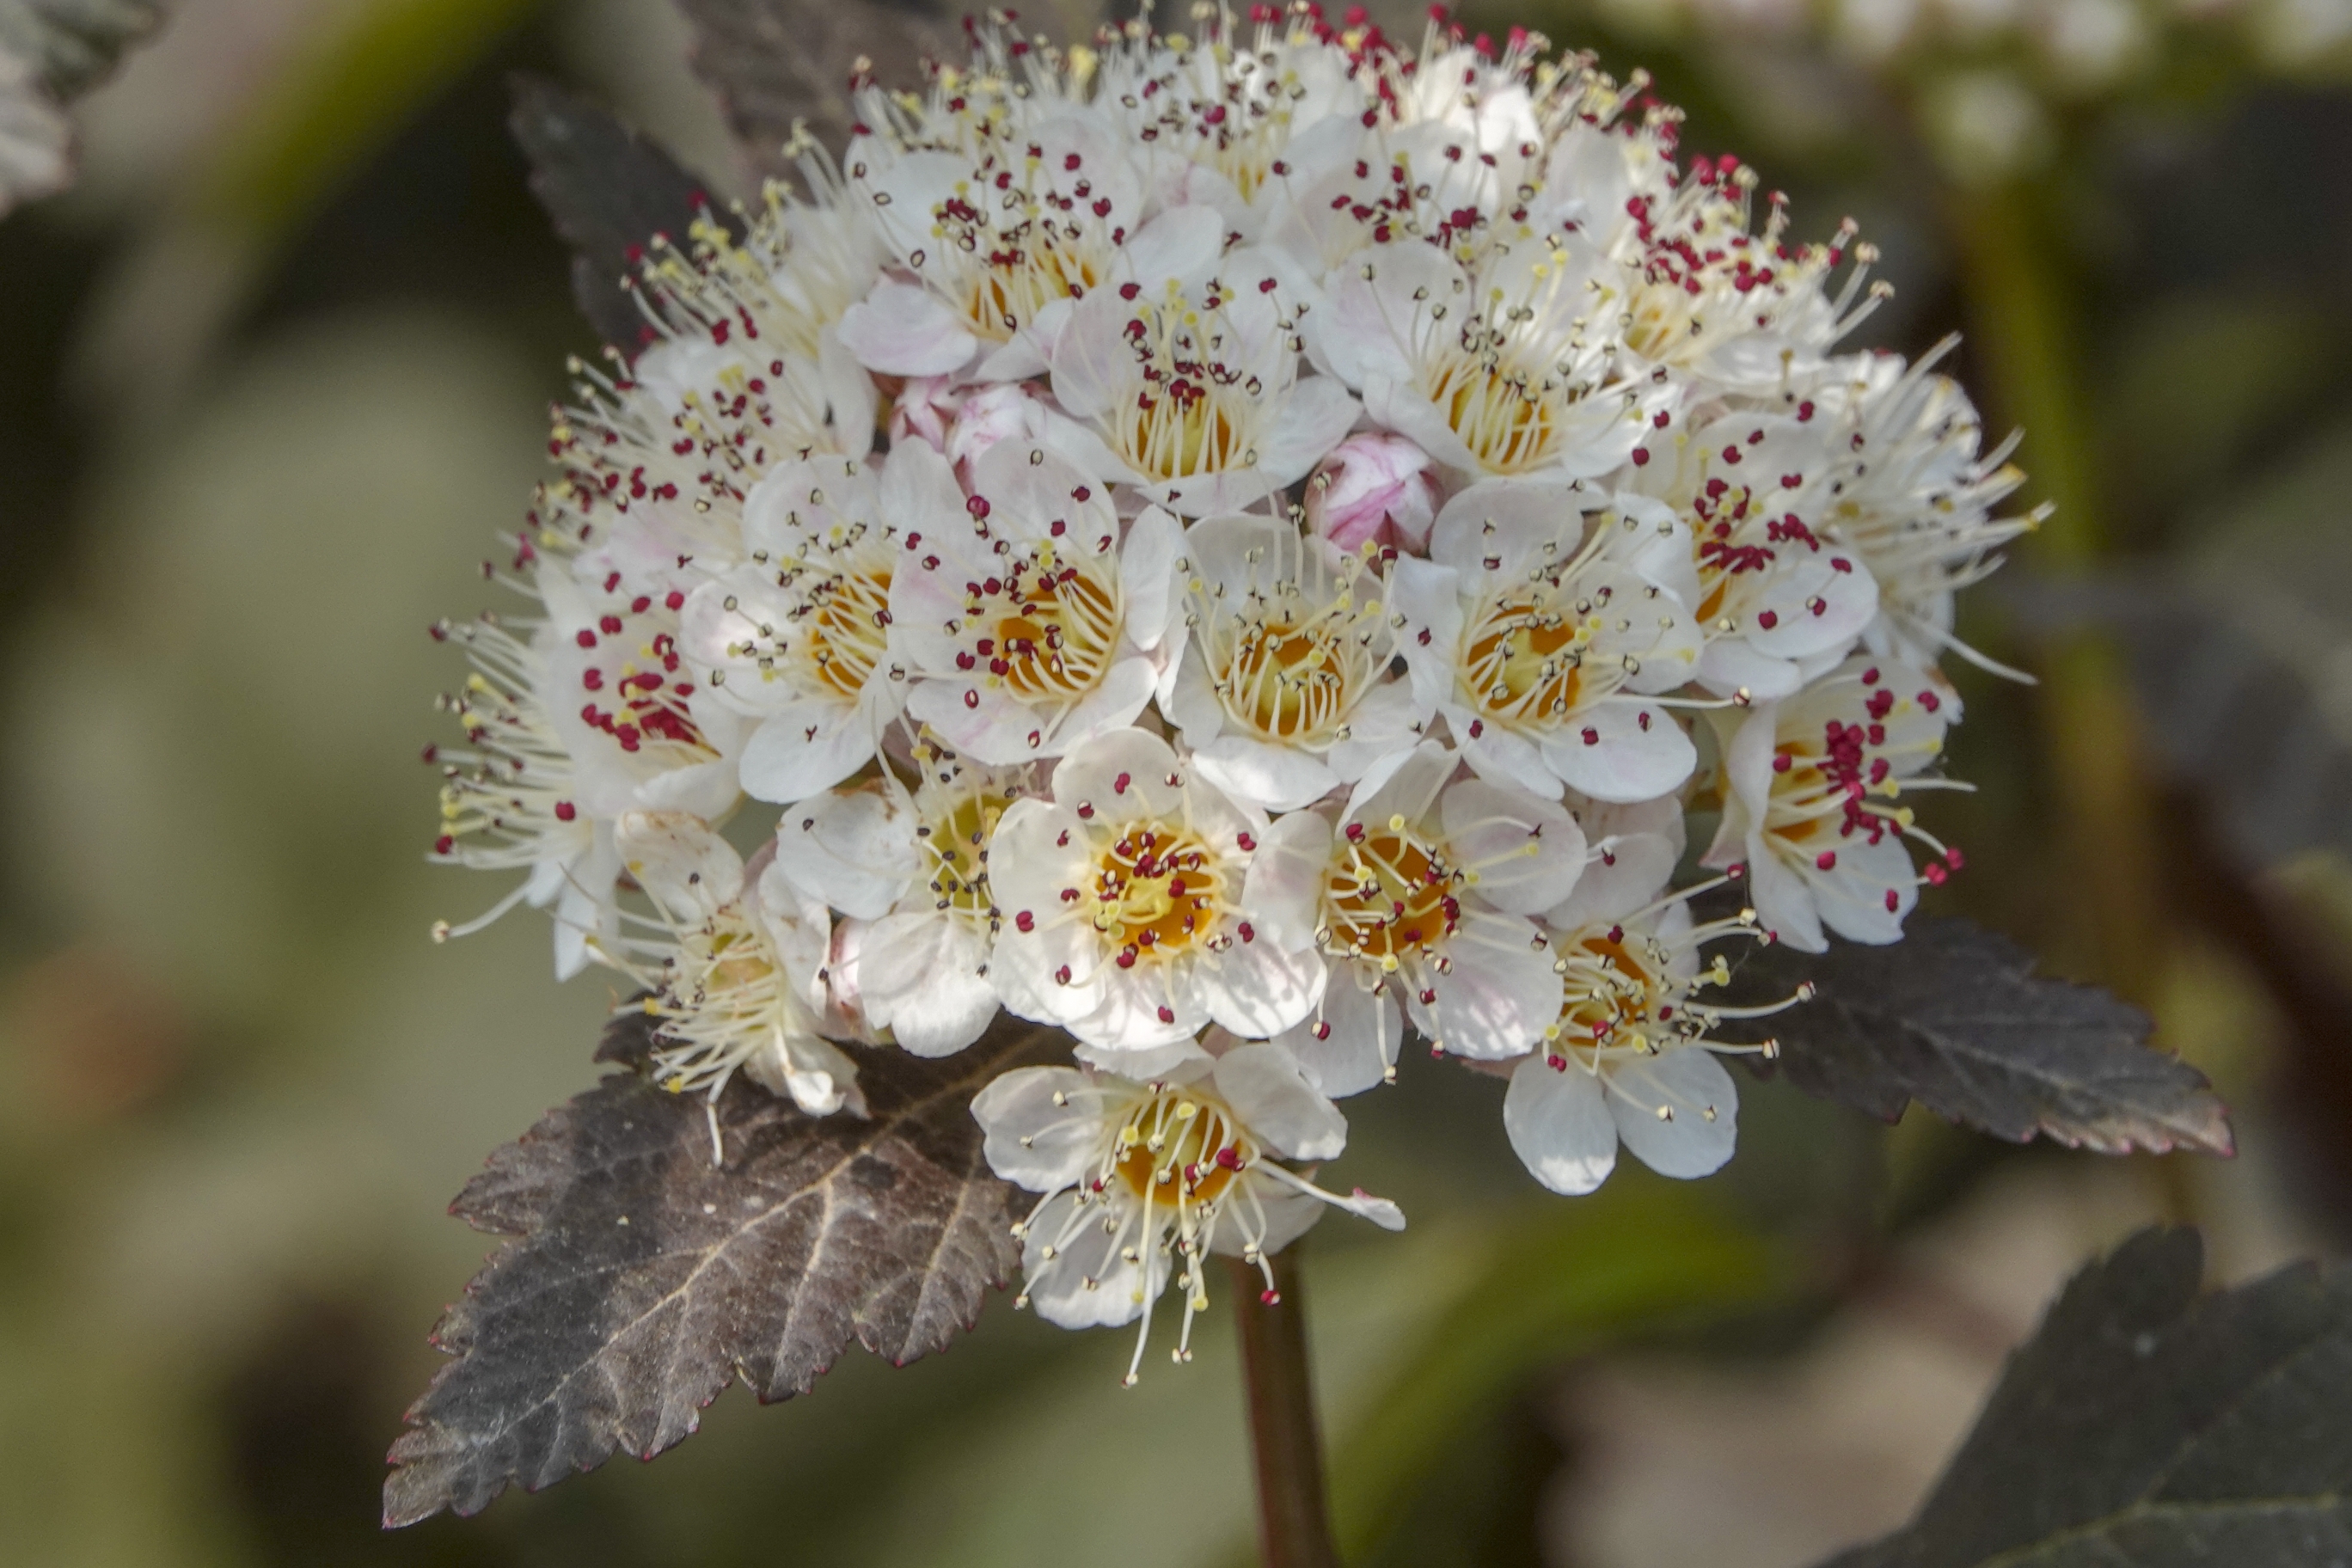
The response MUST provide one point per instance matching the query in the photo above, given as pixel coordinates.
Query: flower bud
(989, 416)
(924, 411)
(1373, 489)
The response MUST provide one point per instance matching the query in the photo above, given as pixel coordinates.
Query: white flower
(1807, 781)
(644, 734)
(992, 237)
(1633, 852)
(1033, 628)
(737, 974)
(1629, 1060)
(743, 367)
(1282, 691)
(913, 869)
(1220, 119)
(507, 799)
(1742, 312)
(798, 638)
(1916, 495)
(1123, 898)
(1512, 366)
(1190, 392)
(1779, 594)
(1143, 1180)
(1420, 895)
(1544, 625)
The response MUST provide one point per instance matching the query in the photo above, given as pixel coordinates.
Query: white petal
(1510, 758)
(1347, 1044)
(901, 330)
(1258, 990)
(922, 978)
(1623, 749)
(1264, 1083)
(1182, 1061)
(1690, 1082)
(1033, 1141)
(1429, 599)
(1503, 992)
(1147, 576)
(1275, 777)
(1124, 691)
(1282, 894)
(1559, 1127)
(1059, 1288)
(684, 867)
(1120, 775)
(807, 748)
(855, 850)
(1314, 417)
(1784, 904)
(1526, 852)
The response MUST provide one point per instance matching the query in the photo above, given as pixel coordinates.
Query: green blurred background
(273, 375)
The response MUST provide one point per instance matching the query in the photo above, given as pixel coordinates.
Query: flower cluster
(1239, 549)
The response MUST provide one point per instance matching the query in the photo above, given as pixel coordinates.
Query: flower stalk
(1294, 1512)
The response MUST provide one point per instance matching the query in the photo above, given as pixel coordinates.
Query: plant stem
(2026, 335)
(1293, 1515)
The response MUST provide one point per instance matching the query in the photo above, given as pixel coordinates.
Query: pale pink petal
(902, 329)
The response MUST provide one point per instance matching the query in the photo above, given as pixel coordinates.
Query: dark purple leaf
(1954, 1017)
(610, 192)
(776, 62)
(644, 1279)
(2149, 1426)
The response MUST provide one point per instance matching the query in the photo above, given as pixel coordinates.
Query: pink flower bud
(924, 412)
(1373, 489)
(993, 414)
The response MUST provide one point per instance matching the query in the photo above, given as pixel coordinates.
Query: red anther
(1248, 932)
(1167, 1013)
(1591, 736)
(675, 601)
(1118, 785)
(585, 638)
(1062, 975)
(1322, 1030)
(1025, 921)
(1230, 1158)
(1247, 842)
(565, 811)
(443, 844)
(1952, 856)
(1640, 457)
(1781, 762)
(1894, 902)
(1768, 619)
(1269, 1298)
(1826, 860)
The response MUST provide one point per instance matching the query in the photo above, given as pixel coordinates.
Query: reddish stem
(1293, 1514)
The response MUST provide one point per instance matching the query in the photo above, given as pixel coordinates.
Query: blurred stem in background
(2021, 312)
(2023, 330)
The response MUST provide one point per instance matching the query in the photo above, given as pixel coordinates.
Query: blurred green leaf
(350, 93)
(1561, 1281)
